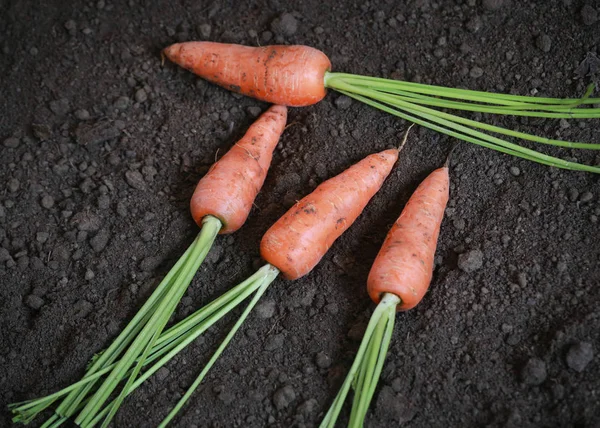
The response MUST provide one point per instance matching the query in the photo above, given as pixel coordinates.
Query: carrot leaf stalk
(178, 282)
(260, 284)
(140, 334)
(368, 363)
(414, 102)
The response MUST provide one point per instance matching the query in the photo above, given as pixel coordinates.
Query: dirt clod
(580, 355)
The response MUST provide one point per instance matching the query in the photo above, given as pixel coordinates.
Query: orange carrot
(398, 280)
(299, 239)
(404, 265)
(229, 188)
(287, 75)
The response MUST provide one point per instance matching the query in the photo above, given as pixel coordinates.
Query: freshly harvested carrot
(398, 280)
(298, 240)
(404, 265)
(220, 204)
(229, 188)
(300, 75)
(290, 75)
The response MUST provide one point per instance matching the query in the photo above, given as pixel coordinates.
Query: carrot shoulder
(404, 265)
(287, 75)
(299, 239)
(229, 188)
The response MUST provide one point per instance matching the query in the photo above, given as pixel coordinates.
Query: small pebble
(323, 360)
(34, 302)
(586, 197)
(135, 180)
(100, 240)
(284, 25)
(589, 15)
(265, 309)
(254, 111)
(47, 201)
(573, 194)
(82, 114)
(474, 24)
(534, 372)
(274, 342)
(140, 95)
(580, 355)
(42, 237)
(60, 107)
(13, 185)
(11, 143)
(89, 275)
(493, 4)
(204, 30)
(476, 72)
(121, 103)
(515, 171)
(470, 261)
(343, 102)
(543, 43)
(283, 397)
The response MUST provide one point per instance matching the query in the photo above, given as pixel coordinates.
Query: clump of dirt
(102, 145)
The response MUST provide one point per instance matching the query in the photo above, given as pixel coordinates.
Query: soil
(102, 145)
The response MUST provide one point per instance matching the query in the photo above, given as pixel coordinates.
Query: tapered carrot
(290, 75)
(300, 75)
(298, 240)
(404, 265)
(220, 204)
(229, 188)
(398, 280)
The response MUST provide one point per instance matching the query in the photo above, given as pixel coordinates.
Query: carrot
(398, 280)
(229, 188)
(300, 75)
(220, 204)
(290, 75)
(299, 239)
(404, 265)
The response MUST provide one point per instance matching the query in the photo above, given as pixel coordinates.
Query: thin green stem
(71, 402)
(245, 289)
(529, 110)
(463, 94)
(264, 284)
(152, 329)
(379, 345)
(464, 133)
(330, 418)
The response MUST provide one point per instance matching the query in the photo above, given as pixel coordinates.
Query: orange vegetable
(404, 265)
(287, 75)
(229, 188)
(299, 239)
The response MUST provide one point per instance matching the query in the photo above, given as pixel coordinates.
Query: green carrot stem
(154, 326)
(450, 128)
(71, 402)
(463, 94)
(388, 300)
(264, 282)
(379, 344)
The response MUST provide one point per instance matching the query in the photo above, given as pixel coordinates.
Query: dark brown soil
(102, 146)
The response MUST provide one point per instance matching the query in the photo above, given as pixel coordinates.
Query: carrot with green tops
(220, 204)
(300, 75)
(398, 280)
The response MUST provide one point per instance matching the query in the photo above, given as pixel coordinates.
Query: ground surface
(101, 148)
